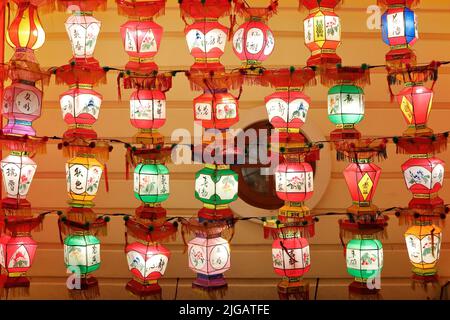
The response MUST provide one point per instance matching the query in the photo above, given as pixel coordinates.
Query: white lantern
(83, 30)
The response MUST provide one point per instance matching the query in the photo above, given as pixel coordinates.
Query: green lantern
(364, 256)
(151, 183)
(82, 252)
(345, 105)
(216, 185)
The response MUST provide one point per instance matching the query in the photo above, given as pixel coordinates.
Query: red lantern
(415, 103)
(216, 109)
(294, 181)
(322, 30)
(147, 261)
(17, 254)
(147, 109)
(291, 257)
(424, 177)
(362, 179)
(253, 41)
(141, 40)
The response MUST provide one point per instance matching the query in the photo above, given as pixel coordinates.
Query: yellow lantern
(83, 174)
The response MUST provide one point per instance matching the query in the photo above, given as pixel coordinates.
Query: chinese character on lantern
(364, 256)
(216, 185)
(151, 183)
(217, 109)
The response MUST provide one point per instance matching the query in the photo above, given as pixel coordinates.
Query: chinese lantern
(82, 252)
(216, 185)
(82, 29)
(291, 257)
(364, 256)
(253, 41)
(147, 109)
(147, 261)
(83, 174)
(18, 171)
(399, 30)
(209, 257)
(25, 32)
(362, 178)
(294, 181)
(151, 183)
(322, 29)
(22, 104)
(17, 254)
(80, 108)
(345, 109)
(424, 177)
(217, 109)
(415, 103)
(423, 242)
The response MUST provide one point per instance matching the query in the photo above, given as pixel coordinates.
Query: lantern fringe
(197, 9)
(432, 144)
(290, 78)
(408, 217)
(334, 4)
(141, 9)
(73, 147)
(243, 9)
(304, 231)
(80, 71)
(105, 174)
(32, 145)
(366, 148)
(23, 66)
(338, 75)
(150, 232)
(81, 5)
(14, 292)
(377, 229)
(151, 81)
(96, 228)
(218, 80)
(135, 156)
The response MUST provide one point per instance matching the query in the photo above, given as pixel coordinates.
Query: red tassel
(232, 25)
(106, 178)
(127, 168)
(126, 240)
(59, 229)
(119, 92)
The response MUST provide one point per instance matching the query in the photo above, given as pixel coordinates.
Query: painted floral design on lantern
(291, 257)
(151, 183)
(18, 172)
(147, 261)
(364, 257)
(82, 251)
(216, 186)
(83, 30)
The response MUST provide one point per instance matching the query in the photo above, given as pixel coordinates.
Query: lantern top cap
(291, 78)
(141, 8)
(199, 9)
(263, 13)
(392, 3)
(415, 74)
(313, 4)
(363, 150)
(81, 5)
(215, 81)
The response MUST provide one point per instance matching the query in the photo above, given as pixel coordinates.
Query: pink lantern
(141, 40)
(287, 109)
(146, 261)
(253, 41)
(22, 104)
(147, 109)
(291, 257)
(17, 254)
(294, 181)
(218, 110)
(83, 30)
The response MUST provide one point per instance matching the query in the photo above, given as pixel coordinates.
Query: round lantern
(83, 30)
(83, 174)
(216, 185)
(18, 171)
(217, 110)
(291, 257)
(147, 262)
(253, 42)
(415, 104)
(399, 30)
(287, 109)
(82, 251)
(17, 254)
(364, 256)
(209, 258)
(22, 104)
(151, 183)
(362, 180)
(294, 181)
(26, 31)
(80, 108)
(345, 105)
(141, 40)
(206, 39)
(322, 29)
(423, 242)
(147, 109)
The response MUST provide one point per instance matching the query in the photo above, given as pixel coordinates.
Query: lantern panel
(415, 104)
(217, 110)
(209, 256)
(82, 252)
(80, 105)
(22, 104)
(287, 109)
(147, 262)
(18, 171)
(424, 175)
(206, 39)
(362, 180)
(399, 27)
(83, 30)
(26, 31)
(141, 39)
(151, 183)
(291, 257)
(83, 176)
(148, 109)
(216, 186)
(17, 254)
(424, 245)
(345, 104)
(294, 181)
(364, 258)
